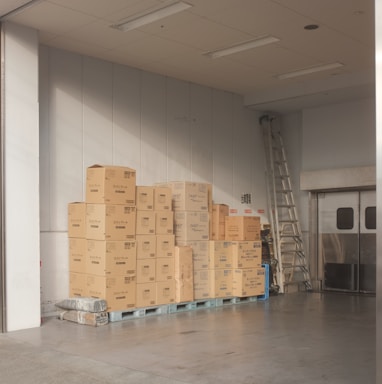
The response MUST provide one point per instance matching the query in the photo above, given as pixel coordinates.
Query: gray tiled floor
(296, 338)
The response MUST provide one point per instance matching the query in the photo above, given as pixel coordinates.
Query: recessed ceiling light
(242, 47)
(152, 15)
(307, 71)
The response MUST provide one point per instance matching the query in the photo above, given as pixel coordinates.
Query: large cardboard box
(221, 254)
(145, 223)
(144, 198)
(191, 226)
(77, 255)
(221, 283)
(146, 295)
(111, 258)
(164, 268)
(184, 274)
(200, 253)
(78, 284)
(118, 291)
(242, 228)
(164, 222)
(247, 254)
(165, 292)
(202, 281)
(146, 246)
(219, 213)
(110, 222)
(162, 198)
(110, 185)
(77, 220)
(188, 196)
(248, 282)
(146, 271)
(165, 245)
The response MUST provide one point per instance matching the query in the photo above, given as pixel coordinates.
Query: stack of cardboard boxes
(103, 256)
(155, 247)
(122, 243)
(192, 204)
(244, 233)
(141, 246)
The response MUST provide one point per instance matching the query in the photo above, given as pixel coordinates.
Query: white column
(21, 175)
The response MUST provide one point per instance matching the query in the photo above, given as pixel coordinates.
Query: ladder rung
(284, 190)
(296, 282)
(288, 221)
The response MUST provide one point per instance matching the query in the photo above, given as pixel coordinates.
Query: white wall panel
(154, 136)
(222, 125)
(339, 136)
(21, 178)
(54, 270)
(243, 144)
(258, 171)
(201, 133)
(65, 136)
(44, 93)
(97, 111)
(127, 116)
(178, 130)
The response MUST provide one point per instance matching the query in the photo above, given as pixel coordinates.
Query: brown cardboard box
(200, 253)
(110, 185)
(184, 274)
(111, 258)
(162, 198)
(146, 295)
(118, 291)
(242, 228)
(221, 283)
(145, 223)
(144, 198)
(77, 255)
(77, 284)
(247, 254)
(191, 226)
(77, 220)
(221, 254)
(165, 245)
(146, 270)
(110, 222)
(188, 196)
(164, 268)
(146, 246)
(202, 280)
(165, 292)
(248, 282)
(219, 213)
(164, 222)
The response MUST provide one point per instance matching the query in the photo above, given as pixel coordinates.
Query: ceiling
(176, 46)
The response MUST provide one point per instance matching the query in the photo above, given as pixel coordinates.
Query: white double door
(347, 240)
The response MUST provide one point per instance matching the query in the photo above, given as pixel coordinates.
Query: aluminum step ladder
(291, 271)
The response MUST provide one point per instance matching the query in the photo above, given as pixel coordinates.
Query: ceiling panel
(7, 6)
(52, 18)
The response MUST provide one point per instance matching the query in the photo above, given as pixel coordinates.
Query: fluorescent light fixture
(152, 15)
(309, 70)
(242, 47)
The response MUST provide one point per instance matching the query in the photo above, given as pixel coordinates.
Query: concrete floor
(295, 338)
